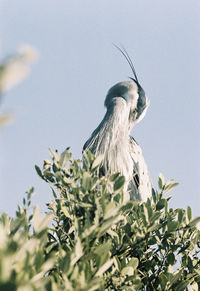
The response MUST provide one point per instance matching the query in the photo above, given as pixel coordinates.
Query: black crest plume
(127, 57)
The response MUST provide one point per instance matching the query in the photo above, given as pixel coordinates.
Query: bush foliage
(13, 69)
(92, 239)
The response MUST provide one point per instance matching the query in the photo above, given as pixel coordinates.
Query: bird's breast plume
(111, 138)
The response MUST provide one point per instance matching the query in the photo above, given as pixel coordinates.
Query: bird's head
(132, 92)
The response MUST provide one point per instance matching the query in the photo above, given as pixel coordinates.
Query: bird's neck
(115, 124)
(111, 138)
(117, 120)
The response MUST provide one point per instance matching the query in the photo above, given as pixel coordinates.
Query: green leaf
(134, 262)
(171, 259)
(182, 285)
(117, 263)
(161, 181)
(88, 157)
(113, 177)
(129, 271)
(189, 213)
(64, 158)
(104, 268)
(172, 225)
(146, 213)
(66, 212)
(40, 224)
(102, 249)
(180, 215)
(154, 196)
(78, 251)
(110, 210)
(98, 161)
(86, 181)
(164, 280)
(38, 171)
(30, 192)
(5, 118)
(194, 221)
(169, 187)
(55, 157)
(119, 183)
(161, 204)
(194, 287)
(176, 275)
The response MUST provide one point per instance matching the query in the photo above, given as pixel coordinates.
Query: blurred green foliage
(91, 239)
(13, 70)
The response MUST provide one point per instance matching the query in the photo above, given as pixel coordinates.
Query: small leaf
(66, 212)
(110, 210)
(189, 213)
(176, 275)
(146, 214)
(194, 221)
(119, 183)
(5, 118)
(97, 162)
(114, 177)
(64, 158)
(102, 249)
(194, 287)
(117, 263)
(171, 259)
(104, 268)
(86, 181)
(161, 181)
(30, 192)
(78, 251)
(154, 196)
(164, 280)
(40, 224)
(180, 215)
(134, 262)
(170, 187)
(38, 171)
(172, 225)
(55, 157)
(182, 285)
(129, 271)
(160, 204)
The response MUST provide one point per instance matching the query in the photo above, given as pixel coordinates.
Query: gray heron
(126, 104)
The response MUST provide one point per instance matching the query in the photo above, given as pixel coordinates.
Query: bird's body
(140, 186)
(126, 104)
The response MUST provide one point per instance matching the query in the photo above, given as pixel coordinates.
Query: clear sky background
(61, 103)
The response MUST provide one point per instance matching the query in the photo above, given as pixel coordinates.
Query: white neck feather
(111, 138)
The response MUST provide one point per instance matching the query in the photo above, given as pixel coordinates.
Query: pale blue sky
(61, 103)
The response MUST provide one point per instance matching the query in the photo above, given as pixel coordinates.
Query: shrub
(23, 260)
(96, 240)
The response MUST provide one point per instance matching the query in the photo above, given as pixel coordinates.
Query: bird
(126, 104)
